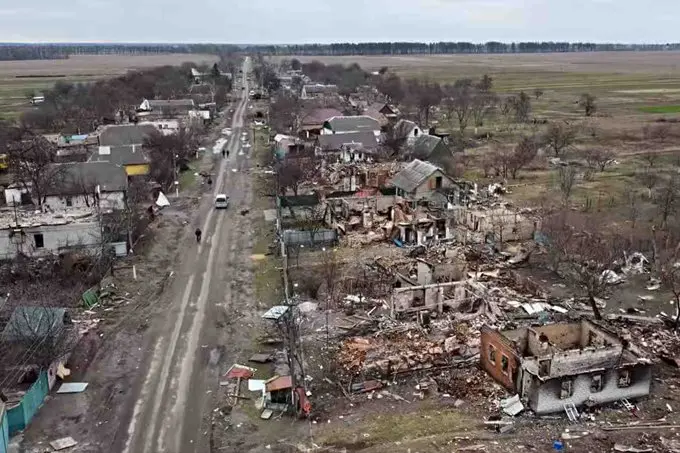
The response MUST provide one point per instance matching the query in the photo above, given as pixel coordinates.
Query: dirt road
(183, 366)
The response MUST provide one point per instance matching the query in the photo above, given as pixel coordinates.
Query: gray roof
(411, 177)
(122, 155)
(171, 103)
(425, 145)
(28, 323)
(403, 128)
(76, 178)
(126, 135)
(319, 88)
(357, 123)
(335, 141)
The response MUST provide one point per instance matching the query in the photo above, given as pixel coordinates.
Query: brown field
(17, 78)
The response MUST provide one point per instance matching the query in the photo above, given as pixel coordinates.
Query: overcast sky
(305, 21)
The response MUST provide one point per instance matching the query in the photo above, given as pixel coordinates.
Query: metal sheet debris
(260, 358)
(256, 385)
(72, 387)
(266, 414)
(64, 442)
(512, 406)
(276, 312)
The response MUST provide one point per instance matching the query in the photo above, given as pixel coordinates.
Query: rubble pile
(385, 356)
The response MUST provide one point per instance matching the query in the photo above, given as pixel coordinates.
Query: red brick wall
(493, 341)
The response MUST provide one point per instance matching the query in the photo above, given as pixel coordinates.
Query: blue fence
(19, 416)
(4, 429)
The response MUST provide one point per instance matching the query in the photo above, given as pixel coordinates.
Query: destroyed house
(419, 179)
(556, 366)
(432, 148)
(315, 91)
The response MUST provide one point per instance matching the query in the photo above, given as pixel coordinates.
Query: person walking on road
(198, 235)
(224, 152)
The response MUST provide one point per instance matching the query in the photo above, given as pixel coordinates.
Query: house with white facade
(165, 126)
(408, 131)
(35, 233)
(350, 124)
(87, 184)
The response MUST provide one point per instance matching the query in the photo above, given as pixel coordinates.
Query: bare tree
(425, 95)
(649, 178)
(538, 93)
(169, 154)
(485, 84)
(285, 112)
(670, 278)
(524, 153)
(31, 159)
(598, 158)
(458, 102)
(650, 157)
(667, 198)
(293, 172)
(521, 106)
(587, 103)
(566, 181)
(590, 257)
(559, 138)
(483, 102)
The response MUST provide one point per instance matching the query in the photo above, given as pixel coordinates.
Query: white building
(34, 233)
(87, 184)
(165, 126)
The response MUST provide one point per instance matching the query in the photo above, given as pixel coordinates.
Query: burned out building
(558, 366)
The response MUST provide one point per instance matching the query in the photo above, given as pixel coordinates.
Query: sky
(324, 21)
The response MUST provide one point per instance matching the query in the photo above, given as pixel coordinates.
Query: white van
(221, 201)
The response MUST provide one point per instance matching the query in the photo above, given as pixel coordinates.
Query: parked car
(221, 201)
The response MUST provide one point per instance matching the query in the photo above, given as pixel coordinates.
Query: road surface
(177, 392)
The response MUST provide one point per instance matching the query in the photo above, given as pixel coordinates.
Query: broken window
(39, 240)
(438, 182)
(69, 201)
(492, 354)
(504, 364)
(566, 389)
(624, 378)
(596, 383)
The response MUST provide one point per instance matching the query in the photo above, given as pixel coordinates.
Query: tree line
(413, 48)
(61, 51)
(81, 107)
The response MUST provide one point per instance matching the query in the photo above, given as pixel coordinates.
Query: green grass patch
(390, 427)
(187, 178)
(660, 109)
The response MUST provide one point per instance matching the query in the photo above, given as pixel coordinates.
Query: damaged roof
(335, 141)
(403, 128)
(357, 123)
(415, 173)
(425, 145)
(279, 383)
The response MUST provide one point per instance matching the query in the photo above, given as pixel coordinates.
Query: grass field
(17, 78)
(660, 109)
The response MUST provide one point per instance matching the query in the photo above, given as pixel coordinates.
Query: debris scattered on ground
(72, 387)
(63, 443)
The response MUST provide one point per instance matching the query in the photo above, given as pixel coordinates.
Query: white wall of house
(166, 126)
(13, 196)
(107, 200)
(415, 133)
(49, 239)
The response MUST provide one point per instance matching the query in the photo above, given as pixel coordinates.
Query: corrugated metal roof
(424, 145)
(413, 175)
(80, 177)
(357, 123)
(335, 141)
(122, 155)
(279, 383)
(126, 135)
